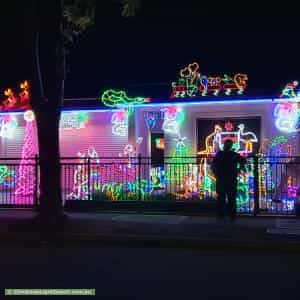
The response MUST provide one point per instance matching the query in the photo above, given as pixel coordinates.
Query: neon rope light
(279, 140)
(287, 116)
(157, 177)
(113, 98)
(26, 183)
(119, 121)
(173, 117)
(242, 141)
(80, 180)
(73, 120)
(289, 91)
(150, 119)
(191, 83)
(7, 177)
(15, 100)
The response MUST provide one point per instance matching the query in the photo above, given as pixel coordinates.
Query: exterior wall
(98, 129)
(213, 111)
(97, 133)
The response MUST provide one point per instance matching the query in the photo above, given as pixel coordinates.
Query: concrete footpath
(261, 233)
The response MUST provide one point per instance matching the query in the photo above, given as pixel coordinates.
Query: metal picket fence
(269, 186)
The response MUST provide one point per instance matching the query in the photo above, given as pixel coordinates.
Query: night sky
(143, 55)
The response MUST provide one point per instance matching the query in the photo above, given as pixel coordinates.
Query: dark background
(144, 54)
(157, 155)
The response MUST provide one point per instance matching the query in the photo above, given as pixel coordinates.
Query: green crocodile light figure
(112, 98)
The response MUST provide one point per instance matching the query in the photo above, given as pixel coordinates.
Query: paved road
(151, 273)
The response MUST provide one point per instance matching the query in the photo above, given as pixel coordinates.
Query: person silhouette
(225, 169)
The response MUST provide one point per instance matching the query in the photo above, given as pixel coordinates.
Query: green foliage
(130, 8)
(78, 16)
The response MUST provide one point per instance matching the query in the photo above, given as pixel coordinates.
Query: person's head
(228, 145)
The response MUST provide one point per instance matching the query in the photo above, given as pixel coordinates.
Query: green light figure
(112, 98)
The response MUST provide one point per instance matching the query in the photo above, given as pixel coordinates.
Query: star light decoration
(180, 144)
(228, 126)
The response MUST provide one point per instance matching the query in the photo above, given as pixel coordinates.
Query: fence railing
(269, 185)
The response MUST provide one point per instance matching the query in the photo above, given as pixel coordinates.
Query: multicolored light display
(242, 141)
(15, 100)
(289, 91)
(191, 83)
(8, 177)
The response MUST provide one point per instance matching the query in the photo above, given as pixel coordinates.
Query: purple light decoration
(150, 119)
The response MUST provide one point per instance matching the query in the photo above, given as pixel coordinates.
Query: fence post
(256, 186)
(139, 182)
(89, 179)
(37, 183)
(139, 176)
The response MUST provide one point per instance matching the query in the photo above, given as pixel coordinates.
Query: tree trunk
(47, 71)
(50, 171)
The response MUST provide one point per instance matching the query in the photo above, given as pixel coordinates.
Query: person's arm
(243, 163)
(214, 165)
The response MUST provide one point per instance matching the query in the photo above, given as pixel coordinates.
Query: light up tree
(180, 167)
(26, 181)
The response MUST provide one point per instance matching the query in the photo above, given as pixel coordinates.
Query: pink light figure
(26, 181)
